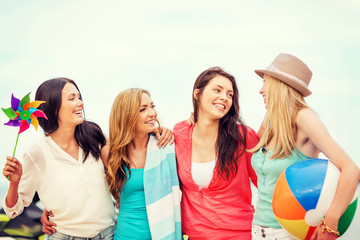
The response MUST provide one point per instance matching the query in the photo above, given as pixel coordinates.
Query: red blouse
(223, 210)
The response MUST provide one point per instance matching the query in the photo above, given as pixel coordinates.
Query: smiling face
(215, 100)
(146, 119)
(264, 90)
(71, 110)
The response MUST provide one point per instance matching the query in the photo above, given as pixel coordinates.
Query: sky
(108, 46)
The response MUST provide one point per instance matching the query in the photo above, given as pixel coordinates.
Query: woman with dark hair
(213, 164)
(64, 168)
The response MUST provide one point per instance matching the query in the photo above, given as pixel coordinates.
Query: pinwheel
(22, 113)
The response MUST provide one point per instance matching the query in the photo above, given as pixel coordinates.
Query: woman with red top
(213, 164)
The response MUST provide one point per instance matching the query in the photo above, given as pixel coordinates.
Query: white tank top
(202, 173)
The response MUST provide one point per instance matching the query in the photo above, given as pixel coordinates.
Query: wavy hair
(230, 143)
(88, 135)
(122, 122)
(283, 103)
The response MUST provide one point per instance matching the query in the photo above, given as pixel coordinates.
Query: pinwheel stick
(17, 138)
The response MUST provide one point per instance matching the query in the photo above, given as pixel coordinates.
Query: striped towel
(162, 192)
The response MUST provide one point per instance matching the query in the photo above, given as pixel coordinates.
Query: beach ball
(303, 195)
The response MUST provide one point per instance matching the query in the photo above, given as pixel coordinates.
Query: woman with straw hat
(291, 132)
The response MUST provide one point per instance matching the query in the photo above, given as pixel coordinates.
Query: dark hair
(230, 143)
(88, 134)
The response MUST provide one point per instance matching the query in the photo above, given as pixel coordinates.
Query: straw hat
(290, 70)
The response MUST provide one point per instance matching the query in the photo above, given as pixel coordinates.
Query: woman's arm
(252, 140)
(48, 227)
(20, 193)
(13, 171)
(165, 137)
(309, 123)
(104, 155)
(261, 130)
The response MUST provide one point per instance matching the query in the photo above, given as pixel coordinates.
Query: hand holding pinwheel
(22, 113)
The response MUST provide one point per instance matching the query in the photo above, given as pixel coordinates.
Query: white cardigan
(75, 191)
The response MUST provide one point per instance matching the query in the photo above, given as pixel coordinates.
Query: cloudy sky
(163, 45)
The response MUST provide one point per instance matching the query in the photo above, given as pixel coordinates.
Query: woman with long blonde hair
(292, 132)
(141, 176)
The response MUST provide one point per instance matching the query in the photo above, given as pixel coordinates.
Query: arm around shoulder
(251, 136)
(105, 152)
(261, 130)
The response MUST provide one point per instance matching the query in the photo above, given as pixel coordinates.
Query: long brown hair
(122, 123)
(88, 134)
(284, 103)
(230, 142)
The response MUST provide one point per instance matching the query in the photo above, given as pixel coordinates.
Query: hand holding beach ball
(303, 194)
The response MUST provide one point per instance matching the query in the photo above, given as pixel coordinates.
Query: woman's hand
(48, 227)
(191, 120)
(12, 170)
(165, 137)
(319, 234)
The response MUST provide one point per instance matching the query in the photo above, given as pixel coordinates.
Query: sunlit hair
(122, 124)
(283, 103)
(230, 143)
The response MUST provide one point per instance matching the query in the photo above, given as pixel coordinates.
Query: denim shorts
(262, 233)
(107, 234)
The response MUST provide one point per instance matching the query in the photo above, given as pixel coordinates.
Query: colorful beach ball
(303, 194)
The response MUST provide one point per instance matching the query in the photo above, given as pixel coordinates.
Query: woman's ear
(196, 94)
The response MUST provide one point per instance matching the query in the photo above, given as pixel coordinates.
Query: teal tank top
(132, 220)
(268, 172)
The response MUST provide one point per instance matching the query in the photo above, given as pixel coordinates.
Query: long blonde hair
(283, 103)
(122, 123)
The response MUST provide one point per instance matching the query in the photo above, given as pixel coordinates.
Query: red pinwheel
(22, 113)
